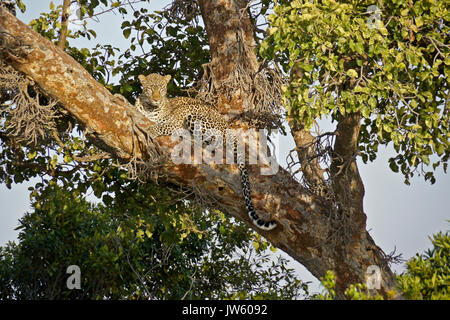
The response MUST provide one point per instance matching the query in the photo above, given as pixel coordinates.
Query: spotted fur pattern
(184, 112)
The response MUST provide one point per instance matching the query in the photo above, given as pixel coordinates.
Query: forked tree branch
(347, 182)
(308, 229)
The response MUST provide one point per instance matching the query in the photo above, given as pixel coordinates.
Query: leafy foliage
(428, 275)
(140, 240)
(329, 283)
(167, 45)
(354, 292)
(136, 248)
(390, 64)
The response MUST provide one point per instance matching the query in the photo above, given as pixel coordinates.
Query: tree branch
(307, 228)
(64, 25)
(347, 182)
(305, 144)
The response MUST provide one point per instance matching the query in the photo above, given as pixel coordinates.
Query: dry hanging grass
(27, 114)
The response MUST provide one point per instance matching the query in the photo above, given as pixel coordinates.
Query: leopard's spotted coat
(184, 112)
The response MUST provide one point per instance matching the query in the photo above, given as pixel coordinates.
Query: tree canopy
(138, 247)
(390, 64)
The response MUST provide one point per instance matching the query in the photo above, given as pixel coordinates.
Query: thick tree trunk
(308, 228)
(230, 36)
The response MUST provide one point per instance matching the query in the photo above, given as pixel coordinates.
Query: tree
(137, 248)
(381, 85)
(426, 277)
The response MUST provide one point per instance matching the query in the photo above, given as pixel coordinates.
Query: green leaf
(359, 47)
(21, 6)
(94, 34)
(67, 158)
(393, 166)
(126, 33)
(352, 73)
(419, 21)
(128, 88)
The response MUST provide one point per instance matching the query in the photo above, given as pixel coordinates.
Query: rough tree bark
(309, 229)
(64, 24)
(227, 30)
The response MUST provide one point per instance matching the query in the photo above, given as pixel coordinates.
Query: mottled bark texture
(230, 36)
(310, 229)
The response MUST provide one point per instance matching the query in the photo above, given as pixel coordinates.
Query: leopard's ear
(167, 78)
(141, 78)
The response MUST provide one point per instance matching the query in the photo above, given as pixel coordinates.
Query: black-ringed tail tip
(260, 223)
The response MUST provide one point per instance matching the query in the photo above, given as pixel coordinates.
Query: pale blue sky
(398, 215)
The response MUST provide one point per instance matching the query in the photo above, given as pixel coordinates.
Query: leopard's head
(154, 88)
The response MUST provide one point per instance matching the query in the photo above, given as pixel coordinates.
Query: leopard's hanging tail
(246, 192)
(201, 133)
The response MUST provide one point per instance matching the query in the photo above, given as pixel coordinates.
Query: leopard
(171, 114)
